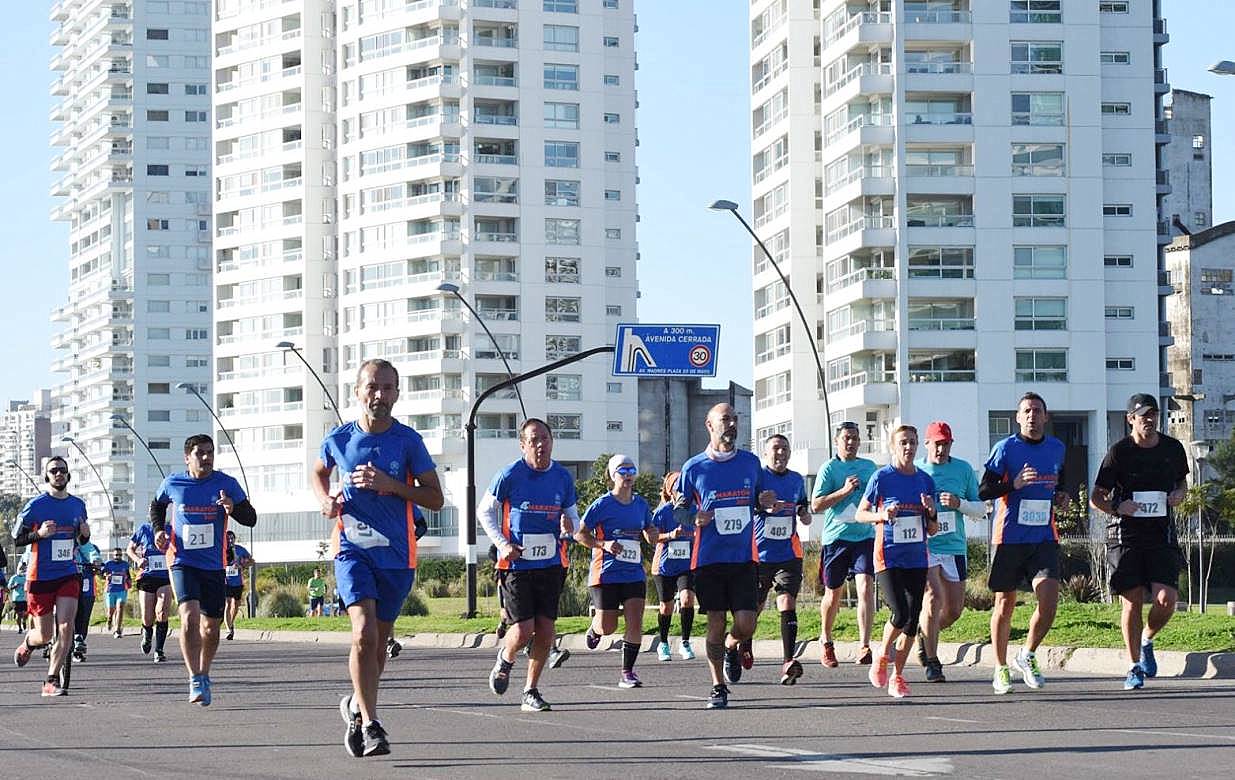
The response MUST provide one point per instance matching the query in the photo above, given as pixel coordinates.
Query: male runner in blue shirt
(119, 580)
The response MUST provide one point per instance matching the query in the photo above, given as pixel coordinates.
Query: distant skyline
(693, 120)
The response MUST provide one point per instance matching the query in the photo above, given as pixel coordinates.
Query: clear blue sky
(693, 130)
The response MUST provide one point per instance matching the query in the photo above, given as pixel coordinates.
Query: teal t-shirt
(838, 520)
(955, 477)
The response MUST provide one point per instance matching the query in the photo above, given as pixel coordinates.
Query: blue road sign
(665, 350)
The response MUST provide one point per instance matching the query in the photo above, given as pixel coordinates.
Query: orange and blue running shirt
(777, 533)
(379, 527)
(672, 558)
(1026, 516)
(900, 544)
(154, 562)
(197, 527)
(56, 556)
(532, 503)
(730, 490)
(609, 519)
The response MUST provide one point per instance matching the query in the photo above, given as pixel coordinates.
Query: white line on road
(688, 696)
(1170, 734)
(951, 720)
(606, 687)
(809, 761)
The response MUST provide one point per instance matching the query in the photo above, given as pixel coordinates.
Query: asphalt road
(275, 715)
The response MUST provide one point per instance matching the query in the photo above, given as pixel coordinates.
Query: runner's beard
(728, 437)
(379, 411)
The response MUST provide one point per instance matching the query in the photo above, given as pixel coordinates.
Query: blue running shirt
(532, 503)
(56, 556)
(154, 563)
(838, 522)
(198, 525)
(1026, 516)
(672, 558)
(902, 543)
(609, 519)
(116, 573)
(777, 534)
(730, 490)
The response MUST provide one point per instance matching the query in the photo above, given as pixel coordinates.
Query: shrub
(414, 605)
(977, 595)
(576, 598)
(444, 569)
(281, 603)
(434, 589)
(1081, 589)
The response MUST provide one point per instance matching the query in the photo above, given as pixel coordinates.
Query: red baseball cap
(938, 431)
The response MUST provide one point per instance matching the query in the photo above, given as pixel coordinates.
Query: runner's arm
(487, 513)
(972, 508)
(245, 514)
(571, 513)
(25, 536)
(158, 514)
(993, 486)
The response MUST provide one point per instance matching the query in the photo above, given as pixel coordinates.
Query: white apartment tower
(25, 440)
(397, 145)
(133, 124)
(964, 195)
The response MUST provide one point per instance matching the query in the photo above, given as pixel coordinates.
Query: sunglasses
(626, 471)
(58, 471)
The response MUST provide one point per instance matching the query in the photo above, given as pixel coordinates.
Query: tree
(598, 483)
(10, 506)
(1220, 465)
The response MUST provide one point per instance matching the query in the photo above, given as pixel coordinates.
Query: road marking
(688, 696)
(822, 762)
(950, 720)
(606, 687)
(1169, 734)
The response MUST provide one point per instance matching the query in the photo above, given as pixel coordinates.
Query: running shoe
(499, 676)
(686, 651)
(159, 656)
(205, 702)
(897, 687)
(196, 689)
(592, 638)
(923, 658)
(748, 657)
(1002, 682)
(1148, 662)
(718, 699)
(664, 652)
(117, 634)
(393, 648)
(374, 740)
(21, 656)
(147, 640)
(828, 657)
(1026, 664)
(878, 674)
(502, 626)
(733, 665)
(52, 688)
(230, 635)
(353, 740)
(1136, 678)
(790, 672)
(934, 671)
(558, 656)
(865, 657)
(532, 702)
(630, 680)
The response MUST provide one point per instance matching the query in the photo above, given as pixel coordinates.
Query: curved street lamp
(25, 474)
(120, 419)
(732, 208)
(110, 505)
(453, 289)
(288, 346)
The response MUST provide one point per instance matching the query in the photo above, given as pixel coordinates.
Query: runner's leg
(866, 606)
(364, 662)
(1047, 591)
(191, 636)
(1001, 624)
(542, 643)
(1130, 621)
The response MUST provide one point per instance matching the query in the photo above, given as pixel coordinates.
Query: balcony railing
(858, 327)
(939, 17)
(859, 378)
(942, 375)
(857, 20)
(861, 223)
(860, 275)
(857, 71)
(941, 323)
(939, 220)
(861, 172)
(939, 67)
(862, 120)
(940, 118)
(939, 170)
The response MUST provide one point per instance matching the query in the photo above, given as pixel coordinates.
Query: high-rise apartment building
(965, 196)
(133, 122)
(368, 152)
(25, 440)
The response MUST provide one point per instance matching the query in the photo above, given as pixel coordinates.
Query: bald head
(722, 425)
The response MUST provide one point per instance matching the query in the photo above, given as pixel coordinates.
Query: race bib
(539, 547)
(779, 528)
(86, 582)
(1149, 503)
(947, 523)
(233, 571)
(197, 537)
(62, 549)
(631, 552)
(362, 534)
(117, 579)
(731, 520)
(156, 563)
(849, 514)
(1034, 512)
(907, 529)
(679, 550)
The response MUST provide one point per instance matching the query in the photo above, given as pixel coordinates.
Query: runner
(780, 551)
(17, 590)
(203, 502)
(671, 568)
(899, 502)
(89, 562)
(116, 574)
(1022, 478)
(723, 486)
(956, 499)
(848, 546)
(50, 525)
(238, 559)
(612, 528)
(317, 593)
(387, 477)
(154, 585)
(1141, 480)
(536, 499)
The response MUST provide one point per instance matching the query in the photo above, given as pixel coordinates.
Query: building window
(955, 366)
(613, 271)
(1038, 108)
(160, 444)
(613, 234)
(561, 192)
(562, 270)
(941, 262)
(612, 80)
(611, 41)
(1035, 12)
(1036, 57)
(1041, 365)
(562, 309)
(610, 4)
(1121, 364)
(613, 310)
(157, 170)
(157, 224)
(153, 88)
(1041, 313)
(195, 89)
(1219, 357)
(557, 347)
(1038, 160)
(158, 388)
(1117, 209)
(1114, 57)
(774, 390)
(153, 115)
(1039, 262)
(1113, 7)
(1120, 312)
(1117, 261)
(1117, 108)
(560, 37)
(158, 334)
(156, 34)
(562, 6)
(562, 231)
(613, 387)
(158, 415)
(561, 154)
(564, 387)
(1117, 160)
(565, 426)
(613, 156)
(613, 119)
(195, 362)
(195, 116)
(1038, 211)
(1198, 141)
(1200, 219)
(562, 116)
(613, 194)
(196, 334)
(561, 76)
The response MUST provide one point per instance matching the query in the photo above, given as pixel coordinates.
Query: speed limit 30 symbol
(700, 355)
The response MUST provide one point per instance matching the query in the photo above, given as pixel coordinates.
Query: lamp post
(111, 506)
(1200, 451)
(25, 473)
(732, 208)
(1223, 68)
(288, 346)
(190, 388)
(453, 289)
(120, 419)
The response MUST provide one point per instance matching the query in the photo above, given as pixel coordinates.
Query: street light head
(285, 345)
(68, 439)
(184, 386)
(1223, 68)
(118, 418)
(447, 287)
(723, 205)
